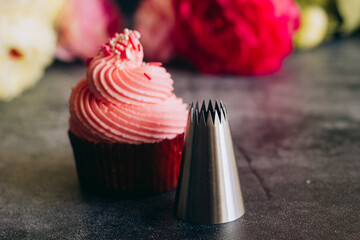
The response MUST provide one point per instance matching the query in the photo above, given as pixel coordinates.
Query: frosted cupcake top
(124, 99)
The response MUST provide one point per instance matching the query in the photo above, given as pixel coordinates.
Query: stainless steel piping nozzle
(208, 190)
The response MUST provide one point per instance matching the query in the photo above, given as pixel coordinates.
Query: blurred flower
(341, 17)
(27, 46)
(238, 37)
(350, 13)
(321, 3)
(155, 21)
(44, 10)
(313, 27)
(84, 26)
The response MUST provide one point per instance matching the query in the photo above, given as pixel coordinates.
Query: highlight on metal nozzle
(208, 188)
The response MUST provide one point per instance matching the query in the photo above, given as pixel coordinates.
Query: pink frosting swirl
(125, 100)
(115, 81)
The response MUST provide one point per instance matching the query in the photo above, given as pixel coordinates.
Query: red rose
(235, 36)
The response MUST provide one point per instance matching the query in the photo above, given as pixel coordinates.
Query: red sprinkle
(139, 48)
(117, 48)
(121, 43)
(132, 43)
(148, 77)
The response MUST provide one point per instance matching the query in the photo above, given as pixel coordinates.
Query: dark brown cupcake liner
(127, 169)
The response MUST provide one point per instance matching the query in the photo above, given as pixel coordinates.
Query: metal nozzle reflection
(208, 189)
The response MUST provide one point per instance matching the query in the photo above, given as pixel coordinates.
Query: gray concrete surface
(297, 140)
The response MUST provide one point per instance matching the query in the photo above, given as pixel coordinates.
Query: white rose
(44, 10)
(27, 46)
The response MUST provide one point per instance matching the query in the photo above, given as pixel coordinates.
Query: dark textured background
(297, 137)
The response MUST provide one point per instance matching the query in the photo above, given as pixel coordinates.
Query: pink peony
(155, 20)
(235, 36)
(84, 26)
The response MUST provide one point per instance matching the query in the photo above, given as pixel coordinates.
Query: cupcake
(126, 124)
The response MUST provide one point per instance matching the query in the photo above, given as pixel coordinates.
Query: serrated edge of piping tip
(201, 114)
